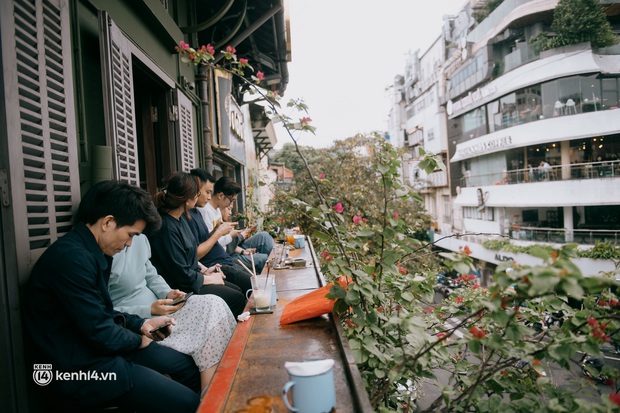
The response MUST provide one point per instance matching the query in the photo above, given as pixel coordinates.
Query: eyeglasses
(232, 198)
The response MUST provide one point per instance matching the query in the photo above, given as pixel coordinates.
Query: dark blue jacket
(71, 320)
(217, 254)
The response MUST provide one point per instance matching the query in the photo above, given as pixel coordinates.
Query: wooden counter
(253, 365)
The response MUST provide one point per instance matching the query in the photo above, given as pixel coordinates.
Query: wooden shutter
(42, 149)
(119, 103)
(185, 131)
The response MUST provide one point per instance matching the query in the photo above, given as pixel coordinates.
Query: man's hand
(249, 251)
(223, 228)
(216, 278)
(153, 323)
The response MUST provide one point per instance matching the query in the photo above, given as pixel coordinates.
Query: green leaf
(539, 252)
(475, 346)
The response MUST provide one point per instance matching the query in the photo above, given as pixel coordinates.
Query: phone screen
(163, 329)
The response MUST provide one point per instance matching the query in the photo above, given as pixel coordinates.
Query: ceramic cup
(312, 386)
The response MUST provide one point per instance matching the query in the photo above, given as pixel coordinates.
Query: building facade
(94, 90)
(532, 137)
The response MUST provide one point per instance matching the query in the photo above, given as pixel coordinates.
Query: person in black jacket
(174, 251)
(100, 357)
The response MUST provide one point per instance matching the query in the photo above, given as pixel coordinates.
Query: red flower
(475, 286)
(592, 322)
(602, 303)
(326, 255)
(429, 310)
(458, 300)
(260, 75)
(305, 120)
(183, 45)
(207, 49)
(396, 215)
(338, 208)
(357, 219)
(402, 270)
(614, 398)
(441, 335)
(321, 176)
(536, 362)
(243, 61)
(231, 50)
(476, 332)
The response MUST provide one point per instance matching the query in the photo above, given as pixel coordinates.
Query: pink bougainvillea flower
(396, 216)
(357, 219)
(243, 61)
(614, 398)
(208, 49)
(326, 256)
(305, 120)
(338, 208)
(402, 270)
(458, 299)
(441, 335)
(321, 176)
(475, 286)
(260, 75)
(183, 45)
(231, 50)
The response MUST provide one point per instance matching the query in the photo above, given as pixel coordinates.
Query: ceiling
(258, 29)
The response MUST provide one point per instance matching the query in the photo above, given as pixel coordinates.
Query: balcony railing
(562, 235)
(590, 170)
(434, 180)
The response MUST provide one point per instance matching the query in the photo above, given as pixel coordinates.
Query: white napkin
(309, 368)
(244, 316)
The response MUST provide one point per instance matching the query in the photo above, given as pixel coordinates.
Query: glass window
(508, 107)
(494, 116)
(475, 120)
(591, 92)
(610, 94)
(550, 97)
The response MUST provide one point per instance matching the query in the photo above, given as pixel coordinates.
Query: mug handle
(285, 390)
(248, 293)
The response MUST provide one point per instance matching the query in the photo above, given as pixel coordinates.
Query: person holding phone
(204, 323)
(225, 193)
(175, 255)
(74, 328)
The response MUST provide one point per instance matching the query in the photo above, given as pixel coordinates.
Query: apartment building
(533, 138)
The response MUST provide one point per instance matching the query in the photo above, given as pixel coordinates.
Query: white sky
(346, 52)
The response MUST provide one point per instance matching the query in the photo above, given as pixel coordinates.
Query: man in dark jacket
(98, 356)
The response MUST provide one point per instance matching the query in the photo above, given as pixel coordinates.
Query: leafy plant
(577, 21)
(481, 348)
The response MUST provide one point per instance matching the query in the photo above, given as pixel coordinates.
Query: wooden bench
(252, 368)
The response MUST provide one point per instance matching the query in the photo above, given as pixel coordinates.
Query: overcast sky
(346, 52)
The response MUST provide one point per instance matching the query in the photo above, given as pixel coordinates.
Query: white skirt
(203, 328)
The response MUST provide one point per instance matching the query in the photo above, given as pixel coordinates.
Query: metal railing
(563, 235)
(589, 170)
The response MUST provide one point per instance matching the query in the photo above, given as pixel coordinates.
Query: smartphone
(162, 329)
(181, 300)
